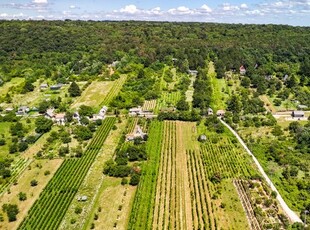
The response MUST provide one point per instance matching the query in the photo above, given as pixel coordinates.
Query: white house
(101, 114)
(60, 118)
(135, 111)
(22, 110)
(209, 111)
(137, 132)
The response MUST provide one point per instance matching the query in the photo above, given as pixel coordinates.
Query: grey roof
(298, 112)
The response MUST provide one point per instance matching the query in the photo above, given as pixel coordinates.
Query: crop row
(149, 105)
(224, 158)
(16, 169)
(142, 210)
(168, 99)
(48, 211)
(114, 91)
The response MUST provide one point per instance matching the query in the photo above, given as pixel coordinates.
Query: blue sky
(292, 12)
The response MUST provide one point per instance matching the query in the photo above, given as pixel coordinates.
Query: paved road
(292, 215)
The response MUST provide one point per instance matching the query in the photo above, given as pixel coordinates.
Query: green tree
(22, 196)
(74, 90)
(234, 104)
(43, 125)
(182, 104)
(34, 183)
(11, 211)
(134, 180)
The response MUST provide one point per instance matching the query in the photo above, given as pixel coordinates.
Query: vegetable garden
(48, 211)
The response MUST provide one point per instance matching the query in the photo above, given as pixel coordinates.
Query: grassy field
(219, 87)
(35, 171)
(4, 133)
(15, 82)
(95, 94)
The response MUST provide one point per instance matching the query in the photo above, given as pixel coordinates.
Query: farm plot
(94, 94)
(168, 99)
(115, 90)
(183, 196)
(142, 210)
(49, 210)
(36, 170)
(149, 105)
(173, 208)
(17, 167)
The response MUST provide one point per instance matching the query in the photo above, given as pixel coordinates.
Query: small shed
(56, 87)
(242, 70)
(298, 114)
(43, 86)
(220, 113)
(202, 138)
(209, 111)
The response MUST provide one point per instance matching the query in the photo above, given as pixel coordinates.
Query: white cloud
(181, 10)
(40, 1)
(243, 6)
(130, 9)
(206, 8)
(265, 11)
(229, 7)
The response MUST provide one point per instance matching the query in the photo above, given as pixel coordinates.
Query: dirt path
(291, 214)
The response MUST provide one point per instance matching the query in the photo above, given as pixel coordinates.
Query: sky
(289, 12)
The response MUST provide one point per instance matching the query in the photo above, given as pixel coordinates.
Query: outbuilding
(202, 138)
(220, 113)
(298, 114)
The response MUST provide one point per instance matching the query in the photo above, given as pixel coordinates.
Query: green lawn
(13, 83)
(219, 87)
(4, 133)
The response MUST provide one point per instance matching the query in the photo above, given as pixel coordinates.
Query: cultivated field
(114, 91)
(49, 210)
(94, 94)
(149, 105)
(168, 99)
(182, 193)
(37, 170)
(96, 187)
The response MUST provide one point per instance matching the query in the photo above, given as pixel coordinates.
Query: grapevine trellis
(49, 210)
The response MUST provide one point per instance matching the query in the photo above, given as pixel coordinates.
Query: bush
(2, 142)
(124, 181)
(22, 196)
(134, 180)
(11, 211)
(47, 172)
(78, 210)
(72, 221)
(34, 183)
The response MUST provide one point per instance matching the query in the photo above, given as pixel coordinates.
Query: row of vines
(49, 210)
(142, 211)
(114, 91)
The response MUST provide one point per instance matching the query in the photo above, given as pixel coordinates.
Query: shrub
(124, 181)
(22, 196)
(78, 210)
(34, 183)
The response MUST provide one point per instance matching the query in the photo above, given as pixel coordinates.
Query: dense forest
(62, 48)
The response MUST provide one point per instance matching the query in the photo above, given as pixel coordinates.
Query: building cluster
(137, 133)
(139, 112)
